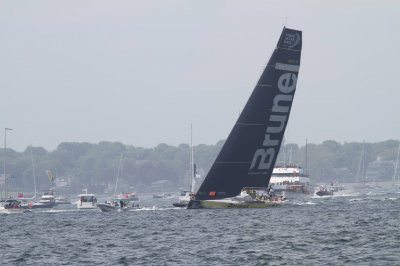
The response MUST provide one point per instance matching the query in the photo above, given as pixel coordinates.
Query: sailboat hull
(231, 204)
(180, 204)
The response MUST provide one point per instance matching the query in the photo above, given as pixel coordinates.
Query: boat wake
(344, 195)
(321, 197)
(304, 203)
(392, 199)
(57, 211)
(154, 208)
(355, 200)
(380, 199)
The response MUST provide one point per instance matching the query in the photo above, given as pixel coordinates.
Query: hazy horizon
(140, 72)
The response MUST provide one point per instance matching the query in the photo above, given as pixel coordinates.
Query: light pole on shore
(5, 153)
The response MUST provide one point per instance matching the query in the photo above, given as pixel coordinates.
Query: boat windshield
(48, 192)
(87, 198)
(185, 193)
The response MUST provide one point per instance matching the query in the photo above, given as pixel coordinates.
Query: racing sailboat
(240, 175)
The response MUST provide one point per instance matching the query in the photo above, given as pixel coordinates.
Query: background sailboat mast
(284, 151)
(5, 153)
(118, 173)
(191, 160)
(34, 174)
(397, 162)
(360, 165)
(306, 158)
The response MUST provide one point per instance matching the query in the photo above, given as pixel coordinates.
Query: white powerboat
(290, 181)
(46, 201)
(184, 199)
(117, 205)
(86, 201)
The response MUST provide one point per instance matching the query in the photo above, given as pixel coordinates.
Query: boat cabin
(47, 197)
(87, 201)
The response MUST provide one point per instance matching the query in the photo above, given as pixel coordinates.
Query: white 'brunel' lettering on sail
(263, 157)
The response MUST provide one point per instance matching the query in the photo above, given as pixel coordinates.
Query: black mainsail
(250, 151)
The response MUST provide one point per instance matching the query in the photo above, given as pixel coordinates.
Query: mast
(284, 152)
(118, 173)
(192, 173)
(360, 165)
(291, 156)
(5, 155)
(306, 157)
(34, 174)
(397, 162)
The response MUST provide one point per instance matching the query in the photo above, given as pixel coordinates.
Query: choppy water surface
(354, 229)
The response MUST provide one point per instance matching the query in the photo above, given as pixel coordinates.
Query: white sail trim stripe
(282, 48)
(287, 67)
(245, 124)
(234, 162)
(258, 173)
(264, 85)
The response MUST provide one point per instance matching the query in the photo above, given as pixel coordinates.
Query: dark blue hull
(38, 205)
(324, 193)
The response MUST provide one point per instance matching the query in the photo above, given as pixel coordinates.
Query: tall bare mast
(5, 153)
(118, 173)
(192, 174)
(360, 172)
(34, 174)
(397, 162)
(306, 158)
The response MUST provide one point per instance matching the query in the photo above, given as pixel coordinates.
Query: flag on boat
(50, 175)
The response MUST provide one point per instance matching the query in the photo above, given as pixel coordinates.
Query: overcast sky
(139, 72)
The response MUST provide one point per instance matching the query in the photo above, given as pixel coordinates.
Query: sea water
(355, 228)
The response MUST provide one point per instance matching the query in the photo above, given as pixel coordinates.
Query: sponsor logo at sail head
(290, 40)
(286, 83)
